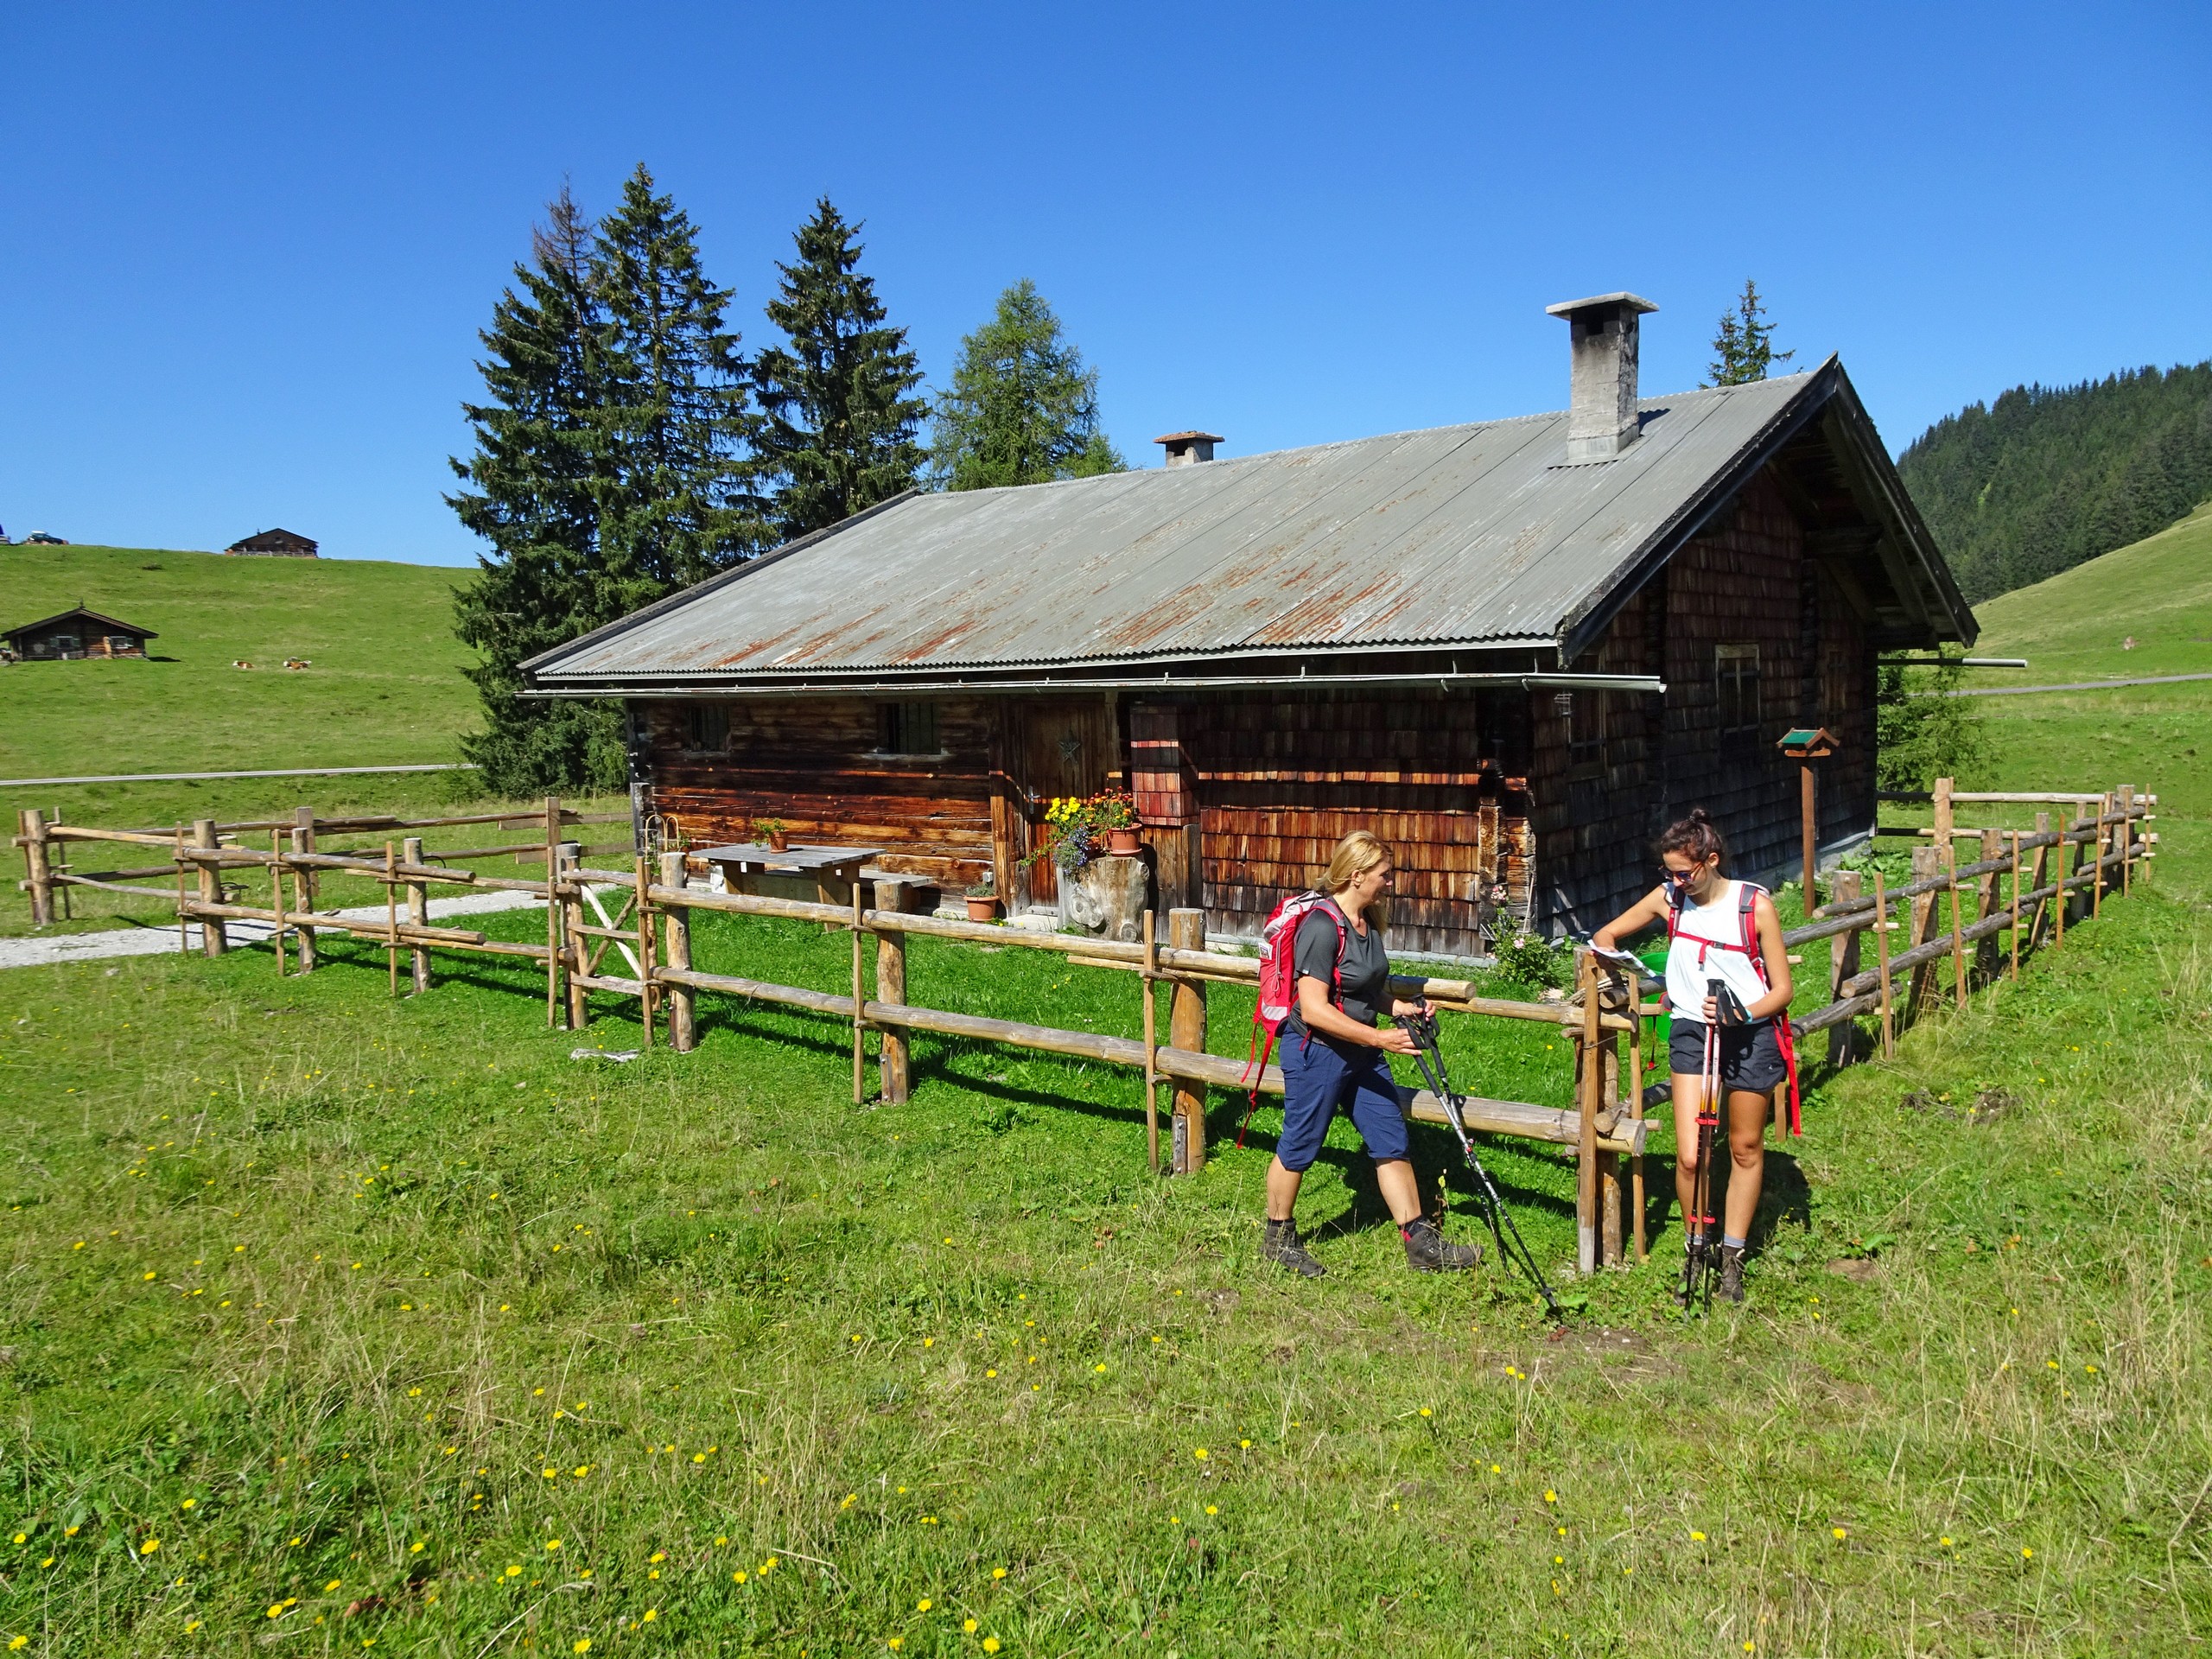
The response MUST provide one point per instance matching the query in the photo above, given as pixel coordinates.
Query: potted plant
(983, 901)
(775, 832)
(1114, 812)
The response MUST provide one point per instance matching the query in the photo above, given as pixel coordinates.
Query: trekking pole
(1422, 1028)
(1698, 1253)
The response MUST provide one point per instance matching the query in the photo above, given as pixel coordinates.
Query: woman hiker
(1723, 930)
(1332, 1056)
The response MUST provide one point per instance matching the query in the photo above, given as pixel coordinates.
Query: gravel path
(153, 941)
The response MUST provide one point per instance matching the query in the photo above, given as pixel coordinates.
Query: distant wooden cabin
(274, 544)
(76, 634)
(1515, 650)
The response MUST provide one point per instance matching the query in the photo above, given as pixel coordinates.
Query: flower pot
(1122, 843)
(983, 910)
(779, 840)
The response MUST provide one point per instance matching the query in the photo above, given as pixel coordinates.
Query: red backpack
(1747, 894)
(1279, 982)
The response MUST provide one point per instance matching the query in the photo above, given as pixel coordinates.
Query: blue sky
(247, 248)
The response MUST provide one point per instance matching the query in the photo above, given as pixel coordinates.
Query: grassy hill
(385, 687)
(2072, 625)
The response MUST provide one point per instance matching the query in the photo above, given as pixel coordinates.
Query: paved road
(153, 941)
(2077, 685)
(208, 777)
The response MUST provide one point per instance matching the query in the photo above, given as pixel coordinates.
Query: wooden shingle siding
(1746, 581)
(1282, 778)
(812, 762)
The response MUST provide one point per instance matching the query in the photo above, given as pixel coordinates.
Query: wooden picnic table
(834, 869)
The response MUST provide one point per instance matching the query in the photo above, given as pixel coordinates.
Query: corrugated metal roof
(1474, 535)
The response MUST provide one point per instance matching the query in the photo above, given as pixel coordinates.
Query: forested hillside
(2047, 477)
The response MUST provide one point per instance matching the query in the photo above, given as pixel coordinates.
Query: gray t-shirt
(1364, 977)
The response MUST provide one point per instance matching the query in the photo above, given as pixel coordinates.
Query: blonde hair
(1355, 855)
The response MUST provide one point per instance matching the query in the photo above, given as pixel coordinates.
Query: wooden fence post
(277, 895)
(1186, 1029)
(2127, 837)
(1943, 821)
(2012, 933)
(1585, 1157)
(213, 941)
(1926, 866)
(552, 912)
(568, 855)
(1151, 1046)
(859, 995)
(391, 915)
(1844, 886)
(1609, 1163)
(676, 928)
(1958, 935)
(303, 886)
(1882, 966)
(1985, 952)
(418, 913)
(37, 867)
(60, 897)
(2065, 891)
(892, 1063)
(2035, 881)
(2097, 858)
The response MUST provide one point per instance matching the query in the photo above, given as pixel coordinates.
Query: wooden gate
(1059, 746)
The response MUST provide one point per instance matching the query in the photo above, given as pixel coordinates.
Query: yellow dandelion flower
(1840, 1532)
(513, 1572)
(149, 1546)
(582, 1644)
(1424, 1411)
(1213, 1509)
(1550, 1497)
(1200, 1452)
(652, 1613)
(2027, 1554)
(332, 1586)
(998, 1571)
(552, 1543)
(990, 1644)
(1697, 1537)
(968, 1625)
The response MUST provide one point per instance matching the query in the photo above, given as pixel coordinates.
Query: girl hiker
(1727, 930)
(1332, 1056)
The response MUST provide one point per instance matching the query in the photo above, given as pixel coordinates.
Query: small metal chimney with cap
(1601, 419)
(1188, 448)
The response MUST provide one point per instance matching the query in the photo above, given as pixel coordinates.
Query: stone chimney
(1188, 448)
(1601, 414)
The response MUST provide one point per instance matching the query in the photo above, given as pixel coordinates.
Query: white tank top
(1707, 944)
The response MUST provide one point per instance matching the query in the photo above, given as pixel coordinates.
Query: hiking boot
(1693, 1279)
(1280, 1243)
(1731, 1273)
(1429, 1252)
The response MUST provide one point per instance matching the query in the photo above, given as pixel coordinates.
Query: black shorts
(1750, 1056)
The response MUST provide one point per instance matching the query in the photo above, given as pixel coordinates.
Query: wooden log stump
(213, 941)
(38, 868)
(1186, 1029)
(676, 936)
(893, 1064)
(418, 914)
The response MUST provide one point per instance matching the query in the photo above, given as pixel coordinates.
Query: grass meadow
(336, 1324)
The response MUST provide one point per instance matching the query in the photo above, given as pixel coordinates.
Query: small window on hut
(1736, 669)
(706, 727)
(906, 729)
(1585, 741)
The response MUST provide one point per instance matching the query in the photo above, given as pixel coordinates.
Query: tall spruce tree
(1022, 409)
(610, 469)
(838, 419)
(1743, 346)
(676, 500)
(530, 491)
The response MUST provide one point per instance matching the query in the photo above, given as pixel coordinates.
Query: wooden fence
(2017, 886)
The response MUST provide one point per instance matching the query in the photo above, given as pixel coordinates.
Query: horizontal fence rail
(599, 921)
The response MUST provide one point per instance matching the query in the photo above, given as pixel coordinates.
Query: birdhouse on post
(1805, 745)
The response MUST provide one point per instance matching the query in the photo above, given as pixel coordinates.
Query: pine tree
(534, 501)
(1743, 348)
(609, 470)
(1022, 409)
(675, 486)
(838, 419)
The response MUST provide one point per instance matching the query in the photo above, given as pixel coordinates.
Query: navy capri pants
(1318, 1077)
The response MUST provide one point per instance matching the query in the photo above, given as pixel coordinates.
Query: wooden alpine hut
(1513, 649)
